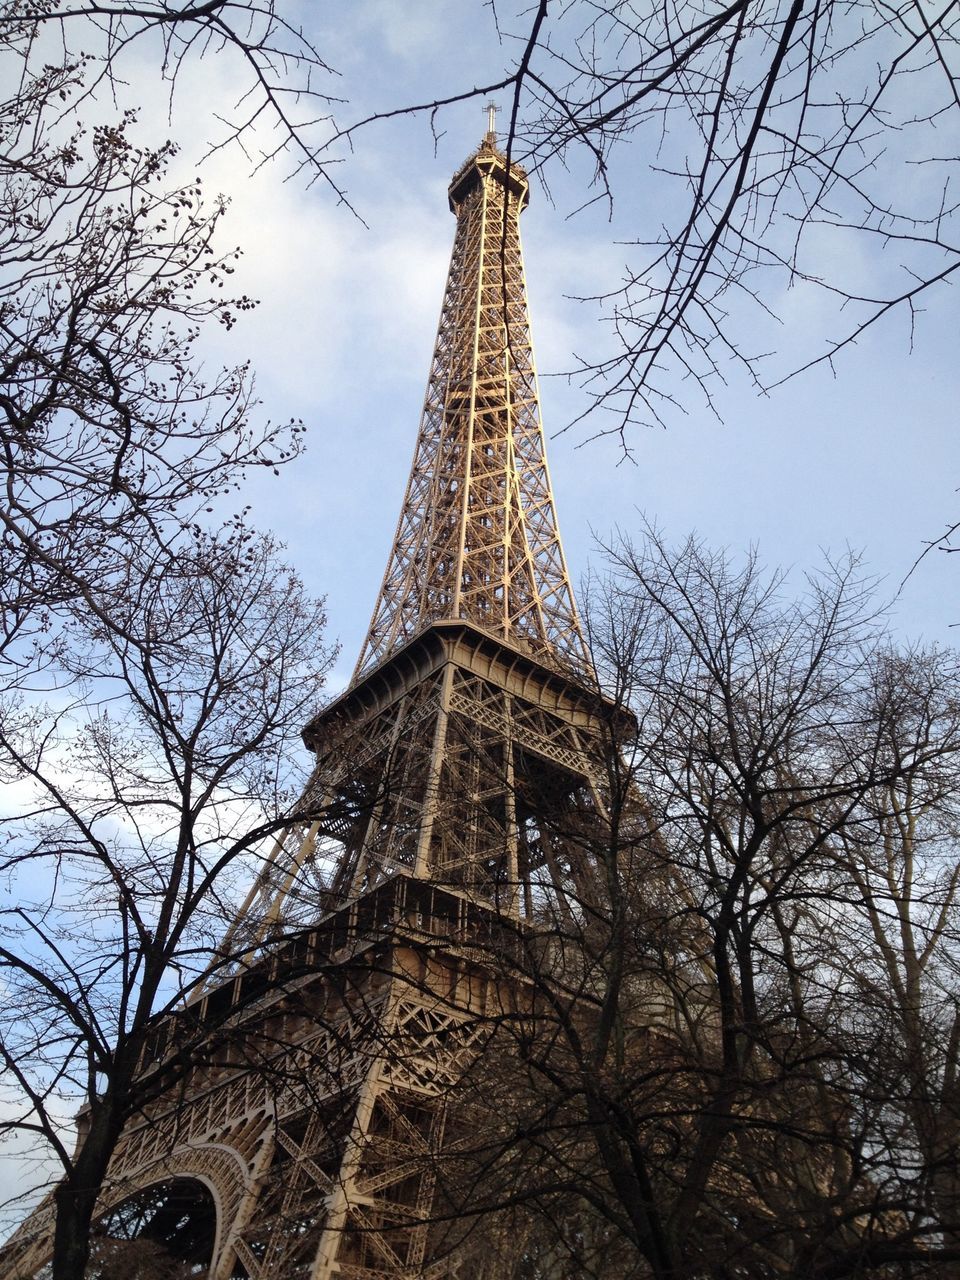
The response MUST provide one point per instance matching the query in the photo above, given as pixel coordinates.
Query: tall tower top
(490, 162)
(491, 110)
(477, 538)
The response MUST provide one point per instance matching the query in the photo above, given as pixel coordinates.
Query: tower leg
(344, 1193)
(228, 1254)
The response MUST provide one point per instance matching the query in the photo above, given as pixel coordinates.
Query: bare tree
(108, 426)
(151, 776)
(788, 146)
(795, 136)
(896, 953)
(279, 73)
(737, 1050)
(153, 666)
(793, 147)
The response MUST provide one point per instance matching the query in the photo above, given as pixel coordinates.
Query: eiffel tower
(304, 1147)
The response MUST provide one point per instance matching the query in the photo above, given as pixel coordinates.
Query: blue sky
(862, 456)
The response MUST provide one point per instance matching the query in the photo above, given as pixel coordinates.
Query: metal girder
(477, 537)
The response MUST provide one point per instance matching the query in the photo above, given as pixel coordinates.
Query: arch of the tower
(168, 1229)
(170, 1215)
(163, 1222)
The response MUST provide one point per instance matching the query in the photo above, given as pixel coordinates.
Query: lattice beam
(477, 537)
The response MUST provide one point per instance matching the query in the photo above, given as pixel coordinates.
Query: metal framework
(477, 537)
(470, 718)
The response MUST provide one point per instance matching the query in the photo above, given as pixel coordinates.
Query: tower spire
(491, 110)
(477, 539)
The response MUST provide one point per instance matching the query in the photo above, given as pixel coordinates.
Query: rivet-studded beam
(477, 537)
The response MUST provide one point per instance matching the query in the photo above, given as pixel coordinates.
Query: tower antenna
(491, 110)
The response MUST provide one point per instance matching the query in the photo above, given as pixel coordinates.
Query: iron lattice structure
(477, 537)
(318, 1118)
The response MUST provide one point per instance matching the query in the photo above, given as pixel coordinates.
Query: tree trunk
(76, 1196)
